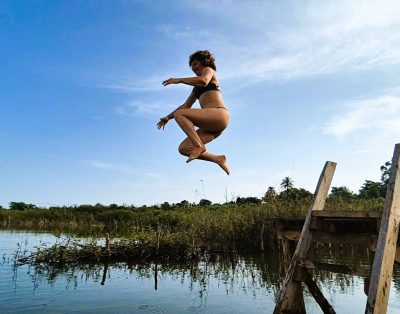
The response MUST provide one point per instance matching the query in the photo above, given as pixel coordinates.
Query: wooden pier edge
(382, 268)
(286, 301)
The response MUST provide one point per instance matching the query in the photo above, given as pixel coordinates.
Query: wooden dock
(378, 231)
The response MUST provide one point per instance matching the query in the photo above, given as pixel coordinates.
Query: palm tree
(287, 184)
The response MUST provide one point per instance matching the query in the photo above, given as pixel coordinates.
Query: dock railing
(380, 234)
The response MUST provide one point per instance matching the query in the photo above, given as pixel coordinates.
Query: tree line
(369, 190)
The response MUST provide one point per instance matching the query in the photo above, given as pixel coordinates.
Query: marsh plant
(176, 233)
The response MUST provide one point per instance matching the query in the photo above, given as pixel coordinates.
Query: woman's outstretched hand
(171, 81)
(162, 123)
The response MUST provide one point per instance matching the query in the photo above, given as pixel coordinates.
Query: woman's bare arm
(202, 80)
(187, 104)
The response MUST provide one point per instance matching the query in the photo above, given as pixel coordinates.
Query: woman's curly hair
(204, 57)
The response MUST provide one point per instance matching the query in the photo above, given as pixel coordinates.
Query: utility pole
(202, 184)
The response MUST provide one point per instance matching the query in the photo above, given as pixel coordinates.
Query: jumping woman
(211, 119)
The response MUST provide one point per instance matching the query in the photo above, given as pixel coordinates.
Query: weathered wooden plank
(339, 269)
(345, 238)
(347, 214)
(319, 221)
(334, 238)
(329, 237)
(382, 268)
(286, 296)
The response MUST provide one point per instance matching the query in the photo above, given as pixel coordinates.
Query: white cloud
(131, 84)
(139, 177)
(311, 38)
(102, 165)
(375, 118)
(123, 168)
(363, 151)
(263, 43)
(182, 32)
(119, 168)
(141, 108)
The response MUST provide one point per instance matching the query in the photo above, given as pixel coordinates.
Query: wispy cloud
(143, 177)
(132, 84)
(141, 108)
(313, 38)
(102, 165)
(363, 151)
(377, 118)
(179, 32)
(118, 167)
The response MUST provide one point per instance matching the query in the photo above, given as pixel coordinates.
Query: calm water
(245, 285)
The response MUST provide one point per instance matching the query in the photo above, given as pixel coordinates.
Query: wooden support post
(301, 274)
(287, 294)
(382, 268)
(103, 279)
(107, 259)
(107, 243)
(156, 276)
(288, 249)
(262, 237)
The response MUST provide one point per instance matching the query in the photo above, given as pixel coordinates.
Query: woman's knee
(178, 113)
(184, 149)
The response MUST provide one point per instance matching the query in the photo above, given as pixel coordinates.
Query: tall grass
(216, 227)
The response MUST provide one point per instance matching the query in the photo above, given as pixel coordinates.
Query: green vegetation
(177, 233)
(217, 228)
(203, 222)
(185, 229)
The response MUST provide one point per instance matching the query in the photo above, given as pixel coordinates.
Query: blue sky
(81, 93)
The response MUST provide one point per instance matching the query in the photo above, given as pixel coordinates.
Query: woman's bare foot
(196, 152)
(222, 163)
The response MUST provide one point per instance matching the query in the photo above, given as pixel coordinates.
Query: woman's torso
(212, 98)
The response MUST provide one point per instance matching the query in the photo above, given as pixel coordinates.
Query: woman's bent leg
(220, 160)
(209, 119)
(188, 127)
(186, 147)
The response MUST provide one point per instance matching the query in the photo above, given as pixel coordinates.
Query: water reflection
(235, 272)
(226, 284)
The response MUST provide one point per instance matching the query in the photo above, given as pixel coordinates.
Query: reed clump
(228, 223)
(175, 232)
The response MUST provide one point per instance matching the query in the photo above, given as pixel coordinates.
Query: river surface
(246, 284)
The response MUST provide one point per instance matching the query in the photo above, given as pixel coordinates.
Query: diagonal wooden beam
(286, 297)
(382, 269)
(301, 274)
